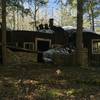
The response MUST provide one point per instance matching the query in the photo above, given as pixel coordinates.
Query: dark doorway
(41, 47)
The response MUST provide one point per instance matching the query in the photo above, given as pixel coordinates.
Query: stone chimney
(51, 22)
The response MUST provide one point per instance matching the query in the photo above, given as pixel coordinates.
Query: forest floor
(49, 82)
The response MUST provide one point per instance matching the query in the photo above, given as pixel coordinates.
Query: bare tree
(34, 7)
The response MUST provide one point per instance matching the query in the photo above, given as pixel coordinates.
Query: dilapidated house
(42, 39)
(46, 38)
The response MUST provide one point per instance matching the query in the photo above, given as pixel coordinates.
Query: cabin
(40, 40)
(49, 37)
(35, 41)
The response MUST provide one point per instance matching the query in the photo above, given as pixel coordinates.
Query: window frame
(29, 43)
(95, 40)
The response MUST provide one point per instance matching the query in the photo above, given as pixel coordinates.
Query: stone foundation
(20, 57)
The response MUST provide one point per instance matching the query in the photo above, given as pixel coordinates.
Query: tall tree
(92, 14)
(66, 7)
(14, 9)
(92, 8)
(79, 35)
(4, 60)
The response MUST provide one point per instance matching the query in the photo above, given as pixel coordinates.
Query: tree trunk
(17, 19)
(91, 15)
(35, 23)
(79, 35)
(92, 18)
(14, 22)
(4, 61)
(22, 16)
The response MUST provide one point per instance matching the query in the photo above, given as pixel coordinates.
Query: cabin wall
(21, 38)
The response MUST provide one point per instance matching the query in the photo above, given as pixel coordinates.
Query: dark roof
(73, 31)
(58, 29)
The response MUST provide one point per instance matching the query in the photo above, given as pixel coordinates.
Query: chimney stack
(51, 22)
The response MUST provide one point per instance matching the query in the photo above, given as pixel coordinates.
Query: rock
(58, 71)
(92, 97)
